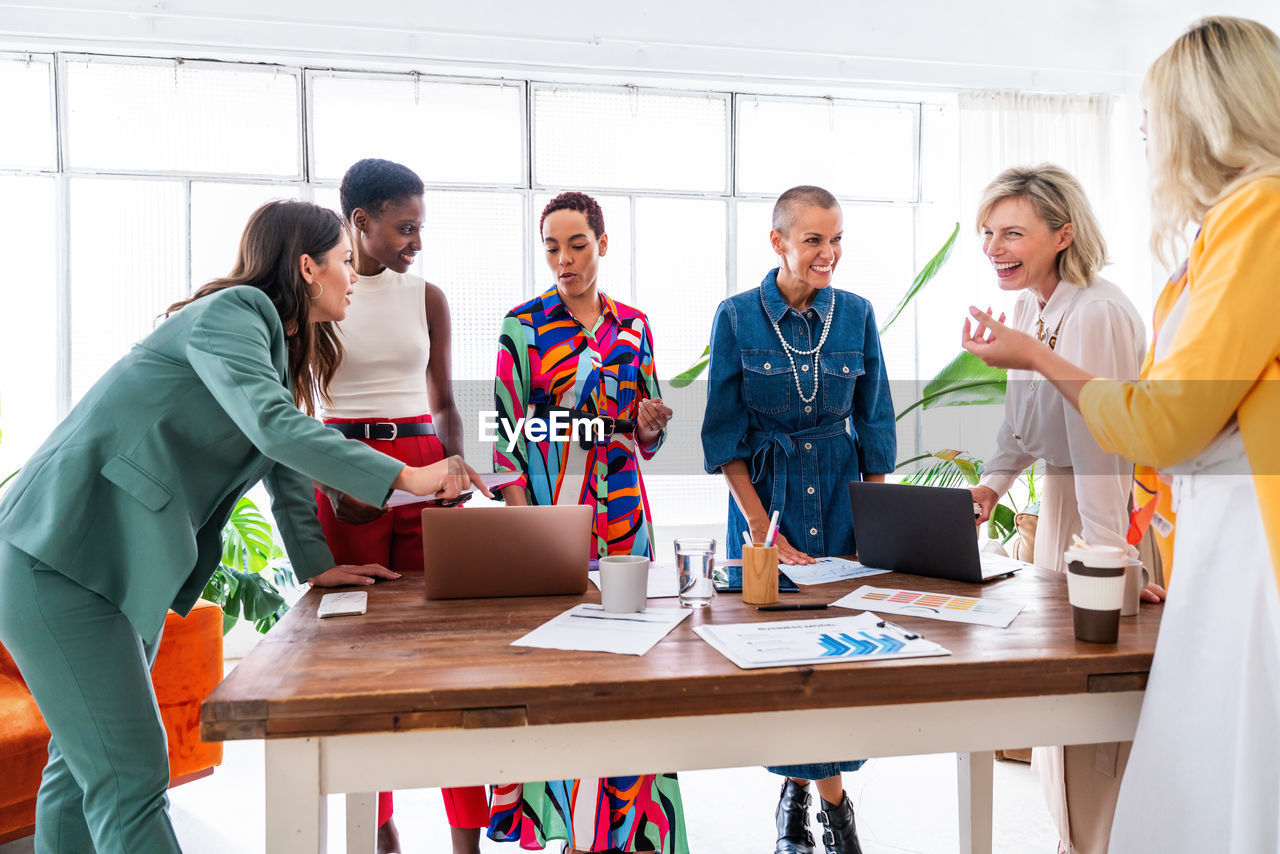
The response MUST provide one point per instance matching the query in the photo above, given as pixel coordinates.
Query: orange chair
(188, 667)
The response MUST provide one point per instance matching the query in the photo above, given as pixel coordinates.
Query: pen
(773, 527)
(906, 634)
(800, 606)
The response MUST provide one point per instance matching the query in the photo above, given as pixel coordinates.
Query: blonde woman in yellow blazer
(1206, 758)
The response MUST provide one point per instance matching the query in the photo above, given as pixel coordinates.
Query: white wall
(1088, 45)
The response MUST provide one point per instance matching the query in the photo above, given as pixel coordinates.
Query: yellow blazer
(1224, 359)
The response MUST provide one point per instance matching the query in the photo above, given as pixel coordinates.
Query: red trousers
(394, 540)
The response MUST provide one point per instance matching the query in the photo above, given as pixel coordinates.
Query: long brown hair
(277, 235)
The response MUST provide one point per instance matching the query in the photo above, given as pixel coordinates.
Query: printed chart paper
(826, 569)
(864, 637)
(662, 580)
(590, 628)
(937, 606)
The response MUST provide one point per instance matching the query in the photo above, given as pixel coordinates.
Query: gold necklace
(1053, 337)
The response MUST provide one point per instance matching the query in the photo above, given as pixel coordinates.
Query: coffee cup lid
(1099, 556)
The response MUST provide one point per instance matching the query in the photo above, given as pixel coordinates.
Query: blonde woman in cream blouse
(1043, 241)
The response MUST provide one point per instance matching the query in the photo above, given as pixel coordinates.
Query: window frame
(305, 184)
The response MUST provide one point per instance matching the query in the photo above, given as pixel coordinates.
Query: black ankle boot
(793, 820)
(840, 836)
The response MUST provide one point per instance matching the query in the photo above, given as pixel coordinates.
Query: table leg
(362, 820)
(975, 776)
(296, 819)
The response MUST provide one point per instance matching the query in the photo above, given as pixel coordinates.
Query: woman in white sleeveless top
(393, 391)
(1203, 772)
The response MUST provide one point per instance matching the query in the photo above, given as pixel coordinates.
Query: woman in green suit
(117, 517)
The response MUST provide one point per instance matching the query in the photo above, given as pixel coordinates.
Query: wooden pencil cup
(760, 574)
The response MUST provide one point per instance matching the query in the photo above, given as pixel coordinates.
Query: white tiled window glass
(219, 214)
(26, 101)
(188, 117)
(29, 322)
(629, 138)
(854, 149)
(446, 132)
(128, 264)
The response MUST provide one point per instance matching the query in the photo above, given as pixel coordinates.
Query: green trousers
(105, 788)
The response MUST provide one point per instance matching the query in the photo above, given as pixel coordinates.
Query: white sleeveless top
(386, 347)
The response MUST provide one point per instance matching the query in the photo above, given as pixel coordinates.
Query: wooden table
(416, 694)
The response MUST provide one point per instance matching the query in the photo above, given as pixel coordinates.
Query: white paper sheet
(864, 637)
(936, 606)
(662, 580)
(590, 628)
(494, 480)
(827, 569)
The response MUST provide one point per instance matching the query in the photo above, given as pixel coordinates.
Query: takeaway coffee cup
(1095, 586)
(1135, 580)
(624, 583)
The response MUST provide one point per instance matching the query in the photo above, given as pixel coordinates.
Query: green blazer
(129, 495)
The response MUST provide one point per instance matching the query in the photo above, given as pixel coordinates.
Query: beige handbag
(1023, 546)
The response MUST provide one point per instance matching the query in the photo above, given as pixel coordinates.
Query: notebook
(480, 552)
(922, 530)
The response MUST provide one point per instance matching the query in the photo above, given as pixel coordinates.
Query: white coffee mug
(1136, 578)
(624, 583)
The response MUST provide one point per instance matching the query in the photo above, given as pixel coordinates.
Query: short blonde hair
(1213, 122)
(1058, 199)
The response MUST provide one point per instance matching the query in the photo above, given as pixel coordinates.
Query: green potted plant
(249, 579)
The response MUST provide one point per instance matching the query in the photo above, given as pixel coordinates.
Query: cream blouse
(1098, 329)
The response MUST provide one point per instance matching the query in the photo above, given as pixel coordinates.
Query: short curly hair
(372, 184)
(580, 202)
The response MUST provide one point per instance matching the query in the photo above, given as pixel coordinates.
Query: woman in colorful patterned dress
(574, 349)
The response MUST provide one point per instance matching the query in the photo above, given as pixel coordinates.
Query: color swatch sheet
(864, 637)
(937, 606)
(827, 569)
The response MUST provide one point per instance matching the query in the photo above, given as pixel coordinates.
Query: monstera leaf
(239, 586)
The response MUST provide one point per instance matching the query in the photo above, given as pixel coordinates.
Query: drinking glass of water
(695, 564)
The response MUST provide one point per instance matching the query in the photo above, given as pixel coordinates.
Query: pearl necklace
(814, 352)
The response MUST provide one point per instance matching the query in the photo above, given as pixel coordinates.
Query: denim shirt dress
(801, 455)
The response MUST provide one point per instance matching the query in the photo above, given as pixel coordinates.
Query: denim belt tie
(776, 446)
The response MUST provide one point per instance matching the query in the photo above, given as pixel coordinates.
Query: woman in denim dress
(797, 406)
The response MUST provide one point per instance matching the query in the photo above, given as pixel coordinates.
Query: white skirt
(1204, 774)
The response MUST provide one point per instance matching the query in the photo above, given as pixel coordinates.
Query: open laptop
(481, 552)
(923, 530)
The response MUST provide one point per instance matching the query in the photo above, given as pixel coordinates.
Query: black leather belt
(384, 430)
(612, 425)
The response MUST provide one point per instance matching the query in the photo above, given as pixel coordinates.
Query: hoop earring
(318, 292)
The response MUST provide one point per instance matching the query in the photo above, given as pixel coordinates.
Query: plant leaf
(953, 468)
(691, 373)
(255, 595)
(1001, 527)
(966, 380)
(926, 274)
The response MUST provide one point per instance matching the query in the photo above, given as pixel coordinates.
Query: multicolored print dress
(547, 357)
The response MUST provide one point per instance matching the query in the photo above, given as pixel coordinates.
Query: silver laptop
(481, 552)
(923, 530)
